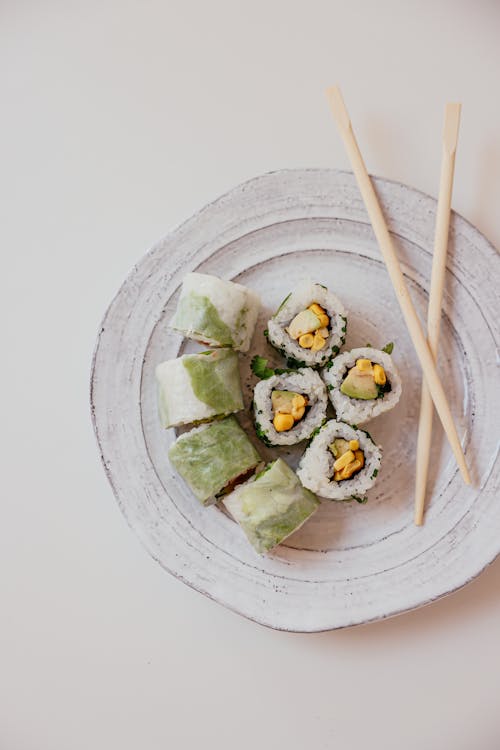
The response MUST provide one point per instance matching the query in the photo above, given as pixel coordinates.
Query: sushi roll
(216, 312)
(289, 406)
(203, 460)
(362, 384)
(341, 462)
(272, 506)
(198, 387)
(309, 326)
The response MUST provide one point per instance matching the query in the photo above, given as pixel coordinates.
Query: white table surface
(119, 119)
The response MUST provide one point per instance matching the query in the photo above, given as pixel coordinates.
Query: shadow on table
(468, 603)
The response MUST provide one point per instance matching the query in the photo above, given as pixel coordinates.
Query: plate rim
(475, 232)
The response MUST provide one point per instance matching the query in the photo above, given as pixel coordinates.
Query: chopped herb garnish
(282, 304)
(261, 434)
(361, 500)
(260, 368)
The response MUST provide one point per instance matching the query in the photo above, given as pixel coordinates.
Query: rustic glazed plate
(350, 563)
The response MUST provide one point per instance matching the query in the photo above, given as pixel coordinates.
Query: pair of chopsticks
(432, 389)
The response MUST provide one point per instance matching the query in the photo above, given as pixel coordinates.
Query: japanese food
(309, 326)
(216, 312)
(216, 458)
(362, 384)
(213, 458)
(272, 506)
(341, 462)
(289, 405)
(198, 387)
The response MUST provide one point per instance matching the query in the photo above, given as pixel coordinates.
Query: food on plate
(216, 458)
(198, 387)
(309, 326)
(272, 506)
(213, 458)
(288, 404)
(340, 463)
(216, 312)
(362, 384)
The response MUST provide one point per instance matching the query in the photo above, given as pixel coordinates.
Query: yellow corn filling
(313, 335)
(379, 375)
(345, 459)
(306, 340)
(364, 365)
(377, 371)
(284, 420)
(349, 463)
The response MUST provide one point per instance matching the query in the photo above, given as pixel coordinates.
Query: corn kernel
(283, 422)
(379, 375)
(316, 309)
(298, 412)
(298, 401)
(350, 469)
(306, 340)
(318, 342)
(364, 365)
(337, 476)
(360, 456)
(324, 320)
(345, 459)
(354, 445)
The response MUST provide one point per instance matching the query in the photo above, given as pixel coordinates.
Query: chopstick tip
(338, 107)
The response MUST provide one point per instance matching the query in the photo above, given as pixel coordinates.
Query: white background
(118, 120)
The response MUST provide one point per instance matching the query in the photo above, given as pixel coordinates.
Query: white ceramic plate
(349, 564)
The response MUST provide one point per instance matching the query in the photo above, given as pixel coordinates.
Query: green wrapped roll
(216, 312)
(271, 507)
(198, 387)
(213, 457)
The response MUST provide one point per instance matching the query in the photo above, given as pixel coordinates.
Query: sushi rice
(316, 466)
(304, 381)
(216, 312)
(305, 294)
(356, 410)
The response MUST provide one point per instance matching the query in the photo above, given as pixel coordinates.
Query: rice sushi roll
(289, 406)
(198, 387)
(216, 312)
(309, 326)
(341, 462)
(272, 506)
(213, 458)
(362, 384)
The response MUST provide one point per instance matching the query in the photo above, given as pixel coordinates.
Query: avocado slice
(339, 447)
(282, 401)
(305, 322)
(359, 385)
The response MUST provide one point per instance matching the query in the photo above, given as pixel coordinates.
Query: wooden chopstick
(391, 261)
(450, 138)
